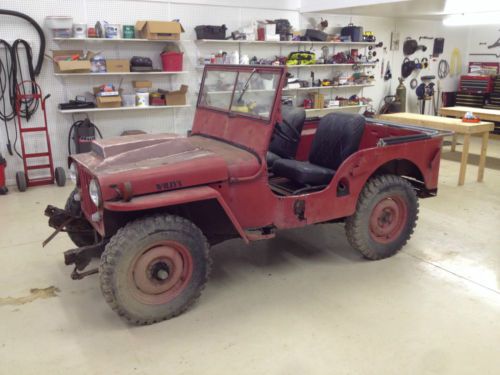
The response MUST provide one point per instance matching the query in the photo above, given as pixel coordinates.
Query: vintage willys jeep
(150, 206)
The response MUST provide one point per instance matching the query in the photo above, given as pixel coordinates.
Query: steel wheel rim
(160, 272)
(388, 219)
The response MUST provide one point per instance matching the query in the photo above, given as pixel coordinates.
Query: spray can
(401, 94)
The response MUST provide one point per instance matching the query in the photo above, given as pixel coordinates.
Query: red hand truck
(33, 99)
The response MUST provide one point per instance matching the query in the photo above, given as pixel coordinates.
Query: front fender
(176, 197)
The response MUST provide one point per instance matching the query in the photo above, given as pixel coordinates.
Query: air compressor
(82, 133)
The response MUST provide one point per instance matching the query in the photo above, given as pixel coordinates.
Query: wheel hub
(160, 272)
(387, 219)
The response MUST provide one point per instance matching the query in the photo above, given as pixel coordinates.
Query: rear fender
(419, 163)
(176, 198)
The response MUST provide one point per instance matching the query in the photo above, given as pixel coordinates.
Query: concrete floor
(302, 303)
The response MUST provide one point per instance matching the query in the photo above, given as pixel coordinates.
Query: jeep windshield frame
(246, 80)
(248, 124)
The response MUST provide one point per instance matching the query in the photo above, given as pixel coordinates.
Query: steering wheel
(280, 133)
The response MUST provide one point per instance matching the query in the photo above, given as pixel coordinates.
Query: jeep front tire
(154, 268)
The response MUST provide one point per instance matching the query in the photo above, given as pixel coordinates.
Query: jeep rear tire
(385, 217)
(85, 236)
(154, 268)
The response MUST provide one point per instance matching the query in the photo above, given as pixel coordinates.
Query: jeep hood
(160, 162)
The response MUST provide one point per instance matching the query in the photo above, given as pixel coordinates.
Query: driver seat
(280, 148)
(337, 137)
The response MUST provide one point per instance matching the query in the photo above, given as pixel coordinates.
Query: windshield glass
(249, 93)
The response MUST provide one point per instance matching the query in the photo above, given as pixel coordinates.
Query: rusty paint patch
(35, 294)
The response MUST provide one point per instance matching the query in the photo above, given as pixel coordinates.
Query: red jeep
(150, 206)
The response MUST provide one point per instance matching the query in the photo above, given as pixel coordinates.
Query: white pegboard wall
(90, 11)
(128, 11)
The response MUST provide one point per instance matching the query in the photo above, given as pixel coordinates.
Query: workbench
(459, 112)
(451, 124)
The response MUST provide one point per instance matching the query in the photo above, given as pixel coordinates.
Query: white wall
(454, 38)
(483, 34)
(192, 12)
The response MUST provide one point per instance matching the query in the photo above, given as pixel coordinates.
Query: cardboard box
(107, 101)
(63, 65)
(142, 84)
(159, 30)
(117, 66)
(318, 100)
(176, 97)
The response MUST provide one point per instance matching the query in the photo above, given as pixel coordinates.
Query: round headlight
(73, 173)
(95, 192)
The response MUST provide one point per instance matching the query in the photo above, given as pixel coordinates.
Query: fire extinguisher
(3, 165)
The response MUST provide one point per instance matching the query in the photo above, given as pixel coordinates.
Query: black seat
(280, 148)
(337, 137)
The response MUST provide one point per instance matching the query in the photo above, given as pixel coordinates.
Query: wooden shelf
(117, 74)
(318, 112)
(291, 42)
(120, 40)
(88, 110)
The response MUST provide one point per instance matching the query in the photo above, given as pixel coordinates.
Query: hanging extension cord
(11, 80)
(7, 112)
(41, 52)
(9, 68)
(29, 106)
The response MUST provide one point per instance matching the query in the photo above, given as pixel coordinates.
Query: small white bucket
(79, 30)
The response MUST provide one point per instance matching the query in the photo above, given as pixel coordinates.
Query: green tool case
(301, 58)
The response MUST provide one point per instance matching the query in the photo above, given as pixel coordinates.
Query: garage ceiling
(418, 9)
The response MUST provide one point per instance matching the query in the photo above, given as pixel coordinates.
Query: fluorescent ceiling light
(486, 18)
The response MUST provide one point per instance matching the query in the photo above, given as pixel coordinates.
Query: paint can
(128, 32)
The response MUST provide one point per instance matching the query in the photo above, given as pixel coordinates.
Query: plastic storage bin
(61, 26)
(210, 32)
(172, 61)
(128, 100)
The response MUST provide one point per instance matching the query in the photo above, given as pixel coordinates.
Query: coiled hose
(10, 69)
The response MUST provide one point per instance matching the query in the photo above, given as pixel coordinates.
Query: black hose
(29, 106)
(39, 30)
(6, 91)
(8, 75)
(6, 83)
